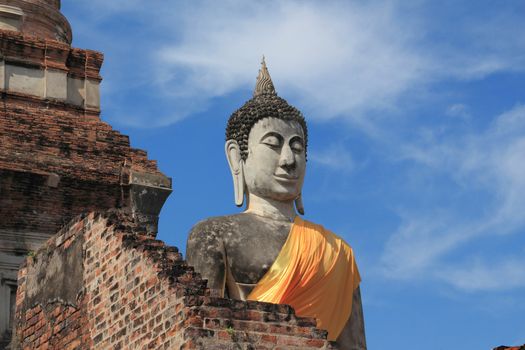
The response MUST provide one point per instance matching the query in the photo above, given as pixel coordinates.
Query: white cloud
(479, 275)
(333, 59)
(493, 162)
(336, 59)
(335, 157)
(458, 110)
(100, 9)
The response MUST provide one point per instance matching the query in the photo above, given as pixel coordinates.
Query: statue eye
(272, 141)
(297, 146)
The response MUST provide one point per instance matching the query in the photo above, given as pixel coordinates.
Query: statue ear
(299, 204)
(233, 154)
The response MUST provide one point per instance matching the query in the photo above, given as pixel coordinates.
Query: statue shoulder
(205, 250)
(212, 227)
(328, 234)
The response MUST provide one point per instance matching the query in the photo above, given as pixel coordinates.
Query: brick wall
(57, 326)
(98, 284)
(58, 159)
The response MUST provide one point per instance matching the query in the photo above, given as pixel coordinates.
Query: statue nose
(287, 159)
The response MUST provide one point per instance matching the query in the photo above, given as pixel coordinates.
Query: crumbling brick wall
(100, 284)
(45, 138)
(57, 157)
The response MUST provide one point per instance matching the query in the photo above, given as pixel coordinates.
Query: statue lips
(286, 178)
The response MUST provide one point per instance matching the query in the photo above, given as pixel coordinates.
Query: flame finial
(264, 84)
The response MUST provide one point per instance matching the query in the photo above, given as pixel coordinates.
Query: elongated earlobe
(238, 182)
(299, 206)
(233, 154)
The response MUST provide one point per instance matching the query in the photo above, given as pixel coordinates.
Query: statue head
(266, 142)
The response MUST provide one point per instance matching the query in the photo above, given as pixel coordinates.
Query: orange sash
(316, 273)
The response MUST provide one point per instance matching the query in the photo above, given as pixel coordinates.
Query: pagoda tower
(57, 158)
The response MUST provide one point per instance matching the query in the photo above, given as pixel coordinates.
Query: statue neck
(270, 208)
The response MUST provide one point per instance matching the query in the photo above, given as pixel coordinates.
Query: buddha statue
(268, 252)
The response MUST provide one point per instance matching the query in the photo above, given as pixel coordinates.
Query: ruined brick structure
(102, 281)
(57, 158)
(102, 284)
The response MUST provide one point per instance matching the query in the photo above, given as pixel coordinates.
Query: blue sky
(416, 111)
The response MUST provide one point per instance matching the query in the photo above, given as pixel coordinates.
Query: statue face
(276, 161)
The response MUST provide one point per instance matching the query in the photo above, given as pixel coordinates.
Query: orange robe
(316, 273)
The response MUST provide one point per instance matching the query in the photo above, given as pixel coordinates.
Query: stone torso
(265, 146)
(234, 252)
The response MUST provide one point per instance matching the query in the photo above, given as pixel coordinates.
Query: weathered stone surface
(58, 274)
(45, 68)
(11, 17)
(92, 93)
(56, 85)
(76, 91)
(25, 80)
(245, 240)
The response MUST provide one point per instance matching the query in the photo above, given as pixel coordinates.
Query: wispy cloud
(334, 59)
(458, 110)
(480, 275)
(492, 162)
(334, 157)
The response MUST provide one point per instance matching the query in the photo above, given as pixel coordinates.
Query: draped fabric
(316, 273)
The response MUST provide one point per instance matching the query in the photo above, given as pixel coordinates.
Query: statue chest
(249, 255)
